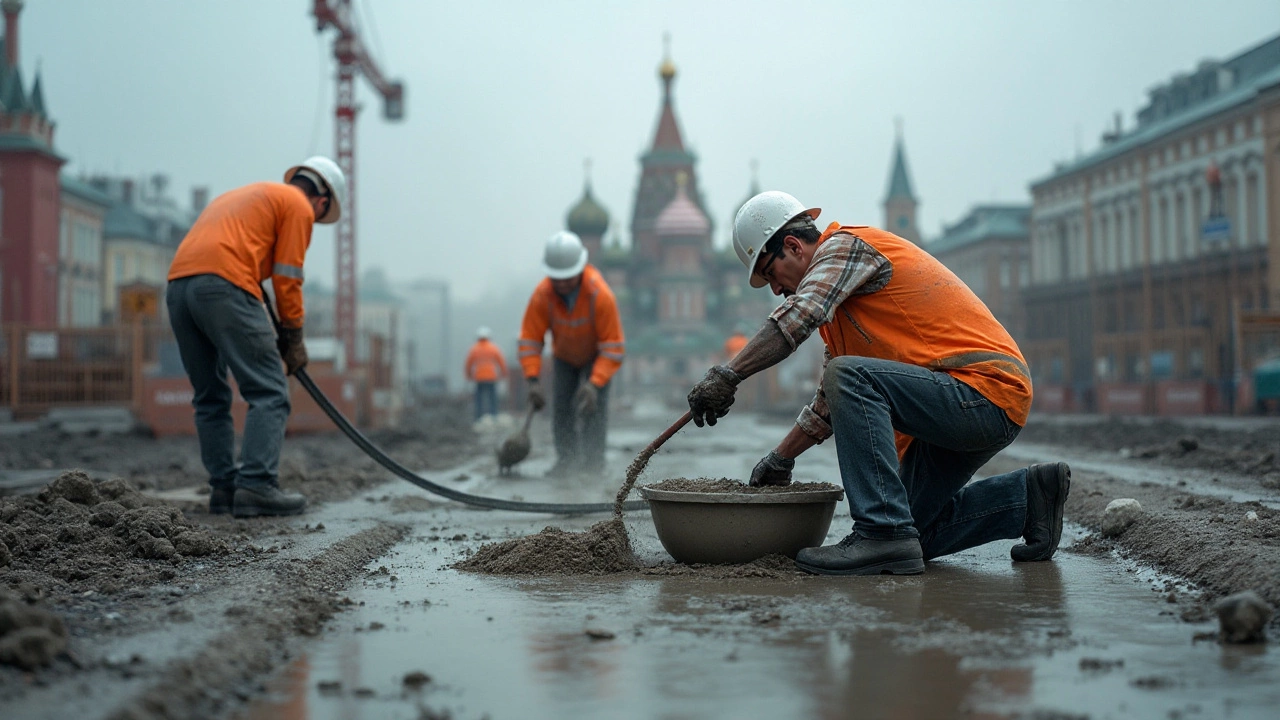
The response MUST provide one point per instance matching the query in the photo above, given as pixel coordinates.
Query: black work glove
(292, 350)
(710, 399)
(586, 399)
(536, 397)
(773, 469)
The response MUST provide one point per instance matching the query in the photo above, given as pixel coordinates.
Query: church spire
(667, 136)
(900, 200)
(899, 178)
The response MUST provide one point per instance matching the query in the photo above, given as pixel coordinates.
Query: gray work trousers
(583, 448)
(219, 326)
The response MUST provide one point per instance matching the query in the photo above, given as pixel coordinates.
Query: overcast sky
(505, 100)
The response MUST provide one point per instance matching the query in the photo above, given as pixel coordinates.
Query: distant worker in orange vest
(575, 304)
(921, 387)
(241, 239)
(734, 344)
(486, 367)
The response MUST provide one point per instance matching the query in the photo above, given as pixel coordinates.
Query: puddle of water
(975, 635)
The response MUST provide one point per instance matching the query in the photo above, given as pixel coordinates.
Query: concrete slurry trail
(1091, 634)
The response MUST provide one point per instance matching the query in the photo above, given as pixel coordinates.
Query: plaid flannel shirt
(843, 266)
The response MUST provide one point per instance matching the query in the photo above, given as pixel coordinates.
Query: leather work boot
(1047, 488)
(220, 500)
(856, 555)
(252, 502)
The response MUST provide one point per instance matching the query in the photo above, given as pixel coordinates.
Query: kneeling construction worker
(575, 304)
(486, 367)
(921, 387)
(215, 301)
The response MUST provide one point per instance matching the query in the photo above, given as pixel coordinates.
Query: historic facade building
(1155, 257)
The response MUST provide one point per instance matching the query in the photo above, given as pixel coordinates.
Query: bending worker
(215, 305)
(575, 304)
(485, 367)
(921, 387)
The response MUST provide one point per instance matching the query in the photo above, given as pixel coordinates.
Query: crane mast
(352, 59)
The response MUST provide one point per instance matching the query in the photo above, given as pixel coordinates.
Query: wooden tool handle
(666, 434)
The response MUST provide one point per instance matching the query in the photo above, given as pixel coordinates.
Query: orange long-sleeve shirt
(485, 362)
(249, 234)
(591, 330)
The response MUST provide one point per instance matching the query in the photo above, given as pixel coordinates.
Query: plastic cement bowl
(730, 528)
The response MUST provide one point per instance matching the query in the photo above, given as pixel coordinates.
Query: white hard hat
(758, 220)
(565, 256)
(483, 332)
(328, 178)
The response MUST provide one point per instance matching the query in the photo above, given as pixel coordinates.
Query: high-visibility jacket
(485, 362)
(250, 234)
(734, 345)
(927, 316)
(591, 332)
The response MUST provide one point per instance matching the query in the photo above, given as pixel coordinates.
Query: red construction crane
(352, 58)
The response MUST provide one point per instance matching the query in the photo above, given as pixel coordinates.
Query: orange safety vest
(926, 316)
(250, 234)
(485, 362)
(589, 333)
(734, 345)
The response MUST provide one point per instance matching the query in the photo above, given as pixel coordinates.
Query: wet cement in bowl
(605, 548)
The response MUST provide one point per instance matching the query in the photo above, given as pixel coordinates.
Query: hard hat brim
(566, 273)
(755, 280)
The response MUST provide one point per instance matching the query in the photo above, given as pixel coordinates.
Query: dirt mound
(601, 549)
(90, 534)
(725, 485)
(1254, 452)
(30, 636)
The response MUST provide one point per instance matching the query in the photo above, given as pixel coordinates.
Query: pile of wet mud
(726, 485)
(101, 536)
(30, 636)
(602, 549)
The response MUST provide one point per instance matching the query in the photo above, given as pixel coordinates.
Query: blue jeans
(928, 496)
(585, 447)
(486, 399)
(219, 326)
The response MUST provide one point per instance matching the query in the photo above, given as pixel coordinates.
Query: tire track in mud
(262, 633)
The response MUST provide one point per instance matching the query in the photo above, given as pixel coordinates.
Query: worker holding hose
(574, 303)
(920, 388)
(215, 301)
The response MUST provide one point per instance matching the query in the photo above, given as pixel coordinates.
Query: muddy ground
(170, 612)
(110, 560)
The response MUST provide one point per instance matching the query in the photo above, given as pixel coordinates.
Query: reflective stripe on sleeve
(289, 271)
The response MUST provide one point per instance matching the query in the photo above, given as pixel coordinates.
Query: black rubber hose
(401, 471)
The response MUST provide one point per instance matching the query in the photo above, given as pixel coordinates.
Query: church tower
(900, 201)
(29, 191)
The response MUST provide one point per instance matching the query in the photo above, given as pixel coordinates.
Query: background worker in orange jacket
(576, 305)
(734, 344)
(922, 386)
(485, 367)
(241, 239)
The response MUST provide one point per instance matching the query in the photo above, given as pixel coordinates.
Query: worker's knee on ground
(844, 369)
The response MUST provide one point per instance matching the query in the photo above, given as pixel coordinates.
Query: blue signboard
(1214, 230)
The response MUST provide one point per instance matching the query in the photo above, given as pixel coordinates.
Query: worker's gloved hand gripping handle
(292, 349)
(537, 398)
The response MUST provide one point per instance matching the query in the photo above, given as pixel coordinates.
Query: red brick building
(30, 198)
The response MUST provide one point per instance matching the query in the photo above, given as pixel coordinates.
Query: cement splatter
(601, 549)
